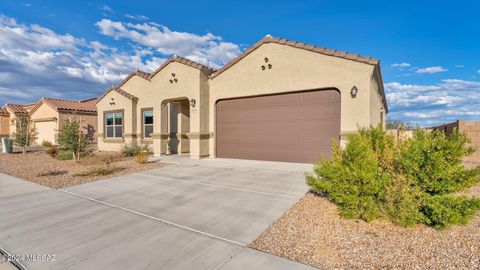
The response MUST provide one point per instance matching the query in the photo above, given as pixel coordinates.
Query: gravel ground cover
(312, 232)
(40, 168)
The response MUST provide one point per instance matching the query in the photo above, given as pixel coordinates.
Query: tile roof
(126, 94)
(205, 69)
(84, 105)
(120, 91)
(3, 111)
(141, 74)
(16, 108)
(300, 45)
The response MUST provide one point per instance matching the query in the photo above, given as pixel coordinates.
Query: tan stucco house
(7, 117)
(279, 100)
(49, 114)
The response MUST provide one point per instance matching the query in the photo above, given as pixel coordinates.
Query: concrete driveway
(190, 215)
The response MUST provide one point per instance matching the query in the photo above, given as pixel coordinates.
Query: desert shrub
(25, 133)
(132, 149)
(442, 210)
(46, 144)
(51, 151)
(409, 182)
(433, 161)
(71, 138)
(64, 154)
(97, 171)
(142, 157)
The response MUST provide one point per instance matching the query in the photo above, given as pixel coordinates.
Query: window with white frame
(114, 124)
(147, 124)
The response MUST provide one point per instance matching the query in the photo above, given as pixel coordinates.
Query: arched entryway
(176, 126)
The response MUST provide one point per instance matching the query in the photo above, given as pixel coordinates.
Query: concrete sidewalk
(148, 220)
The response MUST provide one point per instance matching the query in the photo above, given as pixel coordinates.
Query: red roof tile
(16, 108)
(4, 111)
(205, 69)
(84, 105)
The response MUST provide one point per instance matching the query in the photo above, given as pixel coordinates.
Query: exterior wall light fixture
(354, 91)
(193, 102)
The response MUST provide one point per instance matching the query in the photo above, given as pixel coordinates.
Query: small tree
(25, 133)
(71, 138)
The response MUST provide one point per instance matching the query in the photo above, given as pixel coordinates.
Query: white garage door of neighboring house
(46, 131)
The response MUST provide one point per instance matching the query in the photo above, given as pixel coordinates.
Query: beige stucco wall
(292, 70)
(191, 84)
(4, 125)
(295, 70)
(88, 122)
(45, 120)
(48, 122)
(129, 115)
(377, 110)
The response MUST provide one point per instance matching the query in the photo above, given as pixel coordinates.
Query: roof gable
(16, 109)
(139, 73)
(299, 45)
(120, 91)
(84, 105)
(205, 69)
(4, 111)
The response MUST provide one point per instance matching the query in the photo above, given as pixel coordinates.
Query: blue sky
(429, 50)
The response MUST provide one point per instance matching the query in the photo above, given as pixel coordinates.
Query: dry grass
(312, 232)
(39, 167)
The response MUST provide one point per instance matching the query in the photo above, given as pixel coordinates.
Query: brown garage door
(294, 127)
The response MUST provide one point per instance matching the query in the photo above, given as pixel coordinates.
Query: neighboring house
(8, 114)
(471, 128)
(279, 100)
(49, 114)
(4, 123)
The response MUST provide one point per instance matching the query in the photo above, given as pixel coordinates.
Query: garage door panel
(282, 100)
(295, 127)
(45, 131)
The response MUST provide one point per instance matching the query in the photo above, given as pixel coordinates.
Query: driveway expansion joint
(153, 218)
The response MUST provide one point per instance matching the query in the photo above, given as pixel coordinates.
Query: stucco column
(198, 134)
(160, 135)
(183, 126)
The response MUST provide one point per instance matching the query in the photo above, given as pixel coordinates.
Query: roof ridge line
(309, 47)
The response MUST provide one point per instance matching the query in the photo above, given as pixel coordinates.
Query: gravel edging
(40, 168)
(312, 232)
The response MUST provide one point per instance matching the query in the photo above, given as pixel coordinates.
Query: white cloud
(428, 105)
(431, 70)
(459, 66)
(401, 65)
(207, 49)
(410, 87)
(41, 62)
(136, 17)
(105, 8)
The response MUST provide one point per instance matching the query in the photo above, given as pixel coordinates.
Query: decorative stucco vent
(173, 79)
(266, 65)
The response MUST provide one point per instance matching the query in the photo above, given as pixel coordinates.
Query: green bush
(71, 137)
(46, 144)
(408, 182)
(132, 149)
(64, 154)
